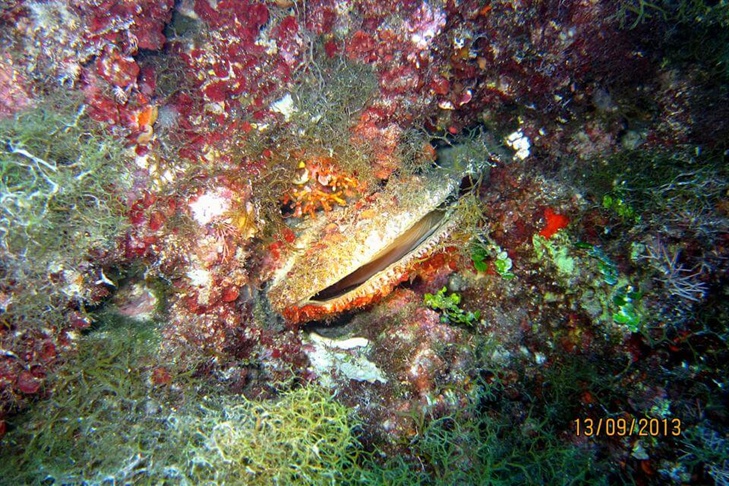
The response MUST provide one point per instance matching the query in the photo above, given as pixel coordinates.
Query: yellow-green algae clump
(108, 423)
(63, 181)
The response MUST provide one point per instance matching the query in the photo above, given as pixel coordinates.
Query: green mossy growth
(415, 151)
(707, 449)
(639, 186)
(557, 251)
(479, 445)
(616, 204)
(479, 257)
(107, 422)
(618, 301)
(468, 156)
(605, 265)
(100, 416)
(480, 253)
(330, 97)
(503, 265)
(693, 31)
(61, 180)
(303, 438)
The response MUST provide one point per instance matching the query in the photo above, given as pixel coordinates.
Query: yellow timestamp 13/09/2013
(621, 426)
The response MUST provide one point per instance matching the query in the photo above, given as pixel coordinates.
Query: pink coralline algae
(95, 44)
(424, 24)
(237, 60)
(244, 64)
(13, 88)
(403, 60)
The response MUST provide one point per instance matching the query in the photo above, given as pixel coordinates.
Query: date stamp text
(621, 427)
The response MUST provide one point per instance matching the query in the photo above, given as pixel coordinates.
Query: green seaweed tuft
(448, 304)
(108, 422)
(479, 446)
(61, 186)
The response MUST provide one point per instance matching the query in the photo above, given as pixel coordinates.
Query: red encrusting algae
(555, 222)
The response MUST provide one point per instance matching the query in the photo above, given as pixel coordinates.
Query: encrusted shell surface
(340, 242)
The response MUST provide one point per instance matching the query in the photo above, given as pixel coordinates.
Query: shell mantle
(349, 258)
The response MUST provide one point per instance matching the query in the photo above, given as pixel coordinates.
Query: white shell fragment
(520, 143)
(335, 357)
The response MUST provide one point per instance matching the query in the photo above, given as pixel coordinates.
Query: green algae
(638, 186)
(629, 311)
(557, 251)
(61, 180)
(617, 204)
(603, 292)
(481, 253)
(693, 31)
(478, 444)
(107, 421)
(450, 311)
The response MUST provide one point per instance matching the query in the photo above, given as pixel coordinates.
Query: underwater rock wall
(531, 197)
